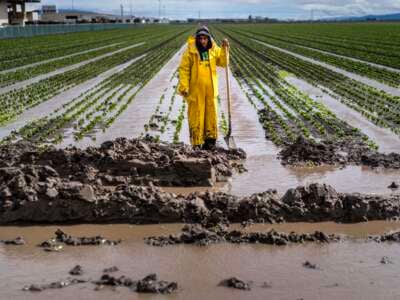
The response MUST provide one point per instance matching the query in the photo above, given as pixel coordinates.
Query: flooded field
(136, 97)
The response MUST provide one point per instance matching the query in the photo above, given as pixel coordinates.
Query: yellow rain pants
(202, 109)
(198, 83)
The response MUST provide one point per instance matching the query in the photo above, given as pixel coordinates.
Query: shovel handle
(228, 92)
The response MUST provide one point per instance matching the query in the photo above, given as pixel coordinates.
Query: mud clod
(76, 271)
(310, 265)
(386, 260)
(236, 283)
(61, 238)
(54, 285)
(111, 270)
(18, 241)
(387, 237)
(151, 284)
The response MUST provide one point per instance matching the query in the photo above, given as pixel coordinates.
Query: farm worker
(198, 84)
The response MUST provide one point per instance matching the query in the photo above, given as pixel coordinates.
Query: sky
(281, 9)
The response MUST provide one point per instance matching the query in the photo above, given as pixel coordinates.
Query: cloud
(238, 8)
(350, 7)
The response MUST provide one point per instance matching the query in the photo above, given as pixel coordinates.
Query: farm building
(13, 12)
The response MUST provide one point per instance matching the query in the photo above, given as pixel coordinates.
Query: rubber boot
(209, 144)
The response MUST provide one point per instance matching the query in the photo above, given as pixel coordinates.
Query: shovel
(230, 142)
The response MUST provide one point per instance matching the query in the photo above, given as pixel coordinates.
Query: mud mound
(137, 161)
(61, 238)
(236, 283)
(387, 237)
(199, 235)
(146, 205)
(347, 151)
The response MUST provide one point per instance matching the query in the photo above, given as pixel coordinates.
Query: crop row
(379, 107)
(284, 111)
(15, 102)
(23, 51)
(98, 108)
(383, 75)
(377, 45)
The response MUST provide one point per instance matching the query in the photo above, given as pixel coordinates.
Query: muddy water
(348, 270)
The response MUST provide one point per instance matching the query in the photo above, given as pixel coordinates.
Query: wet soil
(145, 205)
(347, 151)
(204, 235)
(28, 168)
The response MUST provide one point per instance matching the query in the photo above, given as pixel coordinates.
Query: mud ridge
(122, 161)
(199, 235)
(150, 205)
(61, 239)
(339, 152)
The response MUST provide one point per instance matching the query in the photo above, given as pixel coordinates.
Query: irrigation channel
(126, 86)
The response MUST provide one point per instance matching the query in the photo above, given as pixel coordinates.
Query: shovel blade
(230, 142)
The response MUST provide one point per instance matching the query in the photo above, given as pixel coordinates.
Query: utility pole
(159, 9)
(72, 5)
(131, 11)
(199, 15)
(122, 13)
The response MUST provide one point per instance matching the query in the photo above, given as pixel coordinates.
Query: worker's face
(203, 39)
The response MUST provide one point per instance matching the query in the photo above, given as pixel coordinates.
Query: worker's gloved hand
(185, 94)
(225, 43)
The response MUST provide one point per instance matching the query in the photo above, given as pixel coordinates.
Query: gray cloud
(240, 8)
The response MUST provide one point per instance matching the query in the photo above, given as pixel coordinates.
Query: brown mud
(28, 202)
(137, 161)
(200, 235)
(342, 152)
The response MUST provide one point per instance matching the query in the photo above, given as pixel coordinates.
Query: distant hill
(69, 11)
(389, 17)
(80, 11)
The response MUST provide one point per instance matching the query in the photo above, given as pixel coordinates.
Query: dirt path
(24, 83)
(57, 58)
(365, 80)
(46, 107)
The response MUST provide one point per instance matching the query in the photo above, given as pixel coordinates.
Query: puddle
(348, 270)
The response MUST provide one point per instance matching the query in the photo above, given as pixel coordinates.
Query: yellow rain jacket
(199, 79)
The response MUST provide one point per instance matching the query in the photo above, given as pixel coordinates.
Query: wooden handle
(228, 91)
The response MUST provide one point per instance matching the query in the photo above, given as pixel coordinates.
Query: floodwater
(346, 270)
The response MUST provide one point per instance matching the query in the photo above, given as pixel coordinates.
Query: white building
(13, 12)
